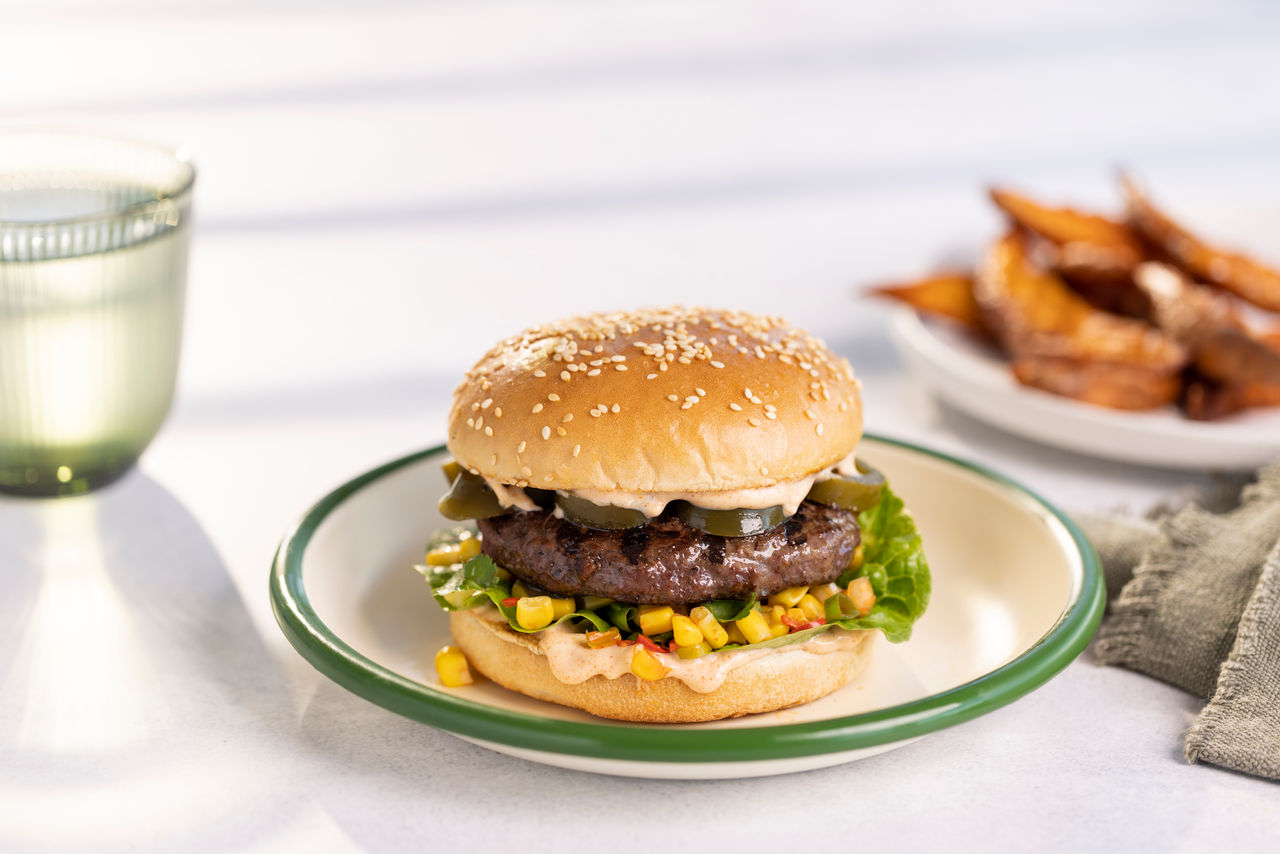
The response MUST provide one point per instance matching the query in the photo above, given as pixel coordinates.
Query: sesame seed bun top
(658, 400)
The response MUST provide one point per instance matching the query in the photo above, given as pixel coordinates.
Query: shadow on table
(126, 658)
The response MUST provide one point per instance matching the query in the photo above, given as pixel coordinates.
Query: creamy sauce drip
(788, 493)
(572, 661)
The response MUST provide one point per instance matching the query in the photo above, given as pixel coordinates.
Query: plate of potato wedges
(1127, 337)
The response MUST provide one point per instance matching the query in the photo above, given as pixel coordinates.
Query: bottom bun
(784, 677)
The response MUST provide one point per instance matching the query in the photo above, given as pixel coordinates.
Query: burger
(667, 519)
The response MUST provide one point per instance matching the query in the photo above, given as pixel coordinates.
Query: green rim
(610, 740)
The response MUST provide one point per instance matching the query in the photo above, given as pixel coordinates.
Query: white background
(386, 187)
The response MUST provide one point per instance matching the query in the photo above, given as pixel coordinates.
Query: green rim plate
(337, 660)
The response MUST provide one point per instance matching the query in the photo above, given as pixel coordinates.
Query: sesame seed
(808, 414)
(769, 407)
(756, 400)
(693, 398)
(471, 422)
(564, 375)
(475, 407)
(716, 364)
(619, 367)
(546, 432)
(497, 412)
(686, 405)
(685, 360)
(671, 397)
(520, 448)
(488, 401)
(771, 415)
(826, 395)
(526, 471)
(735, 407)
(701, 392)
(553, 397)
(754, 422)
(662, 366)
(548, 478)
(615, 408)
(539, 373)
(568, 416)
(844, 405)
(493, 459)
(560, 431)
(746, 392)
(818, 429)
(537, 407)
(595, 413)
(594, 372)
(651, 377)
(479, 422)
(577, 449)
(764, 469)
(488, 431)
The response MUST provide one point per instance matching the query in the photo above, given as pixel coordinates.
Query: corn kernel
(518, 588)
(443, 556)
(811, 607)
(451, 667)
(754, 627)
(823, 592)
(797, 616)
(862, 595)
(654, 619)
(773, 614)
(789, 597)
(644, 665)
(777, 630)
(468, 548)
(563, 607)
(697, 650)
(534, 612)
(600, 640)
(709, 626)
(735, 634)
(856, 562)
(686, 633)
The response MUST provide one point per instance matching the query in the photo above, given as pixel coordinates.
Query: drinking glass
(93, 268)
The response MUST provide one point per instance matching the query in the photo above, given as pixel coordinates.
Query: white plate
(975, 379)
(1016, 595)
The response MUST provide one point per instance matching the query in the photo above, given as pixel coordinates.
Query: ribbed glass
(93, 267)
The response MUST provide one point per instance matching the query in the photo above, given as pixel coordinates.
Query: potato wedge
(1239, 274)
(948, 295)
(1204, 321)
(1206, 400)
(1100, 383)
(1093, 254)
(1062, 344)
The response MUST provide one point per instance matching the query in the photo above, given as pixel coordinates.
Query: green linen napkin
(1195, 602)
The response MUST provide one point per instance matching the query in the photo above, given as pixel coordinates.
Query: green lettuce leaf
(465, 585)
(725, 610)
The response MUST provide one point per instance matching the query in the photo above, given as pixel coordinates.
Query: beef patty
(668, 562)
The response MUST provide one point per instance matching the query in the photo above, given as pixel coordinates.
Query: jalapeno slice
(855, 493)
(469, 498)
(740, 522)
(601, 517)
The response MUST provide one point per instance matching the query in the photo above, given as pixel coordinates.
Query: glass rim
(179, 155)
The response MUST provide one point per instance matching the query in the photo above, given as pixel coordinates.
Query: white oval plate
(975, 379)
(1017, 593)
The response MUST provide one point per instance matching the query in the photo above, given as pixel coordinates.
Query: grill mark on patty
(666, 561)
(634, 542)
(715, 550)
(569, 538)
(794, 530)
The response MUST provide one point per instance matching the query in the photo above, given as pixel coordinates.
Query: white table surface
(385, 188)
